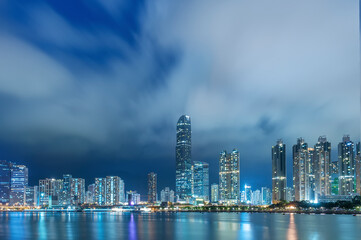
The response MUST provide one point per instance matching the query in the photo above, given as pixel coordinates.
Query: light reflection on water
(187, 226)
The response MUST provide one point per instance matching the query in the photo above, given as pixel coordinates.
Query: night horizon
(102, 84)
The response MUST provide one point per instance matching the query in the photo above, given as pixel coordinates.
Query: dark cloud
(96, 88)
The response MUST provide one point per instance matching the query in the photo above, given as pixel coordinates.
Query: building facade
(19, 182)
(346, 166)
(300, 170)
(100, 191)
(266, 196)
(184, 158)
(5, 182)
(322, 167)
(77, 191)
(229, 176)
(279, 179)
(167, 195)
(50, 191)
(214, 193)
(201, 180)
(152, 187)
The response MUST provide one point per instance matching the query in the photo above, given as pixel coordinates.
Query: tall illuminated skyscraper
(358, 168)
(279, 179)
(184, 158)
(66, 192)
(214, 193)
(100, 191)
(229, 177)
(19, 182)
(322, 167)
(5, 178)
(77, 191)
(152, 187)
(201, 180)
(346, 166)
(300, 170)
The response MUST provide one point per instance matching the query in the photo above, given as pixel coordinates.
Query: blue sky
(95, 88)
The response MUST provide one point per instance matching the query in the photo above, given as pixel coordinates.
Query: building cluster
(316, 178)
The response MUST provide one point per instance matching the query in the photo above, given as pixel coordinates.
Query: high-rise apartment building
(19, 182)
(77, 191)
(50, 191)
(229, 176)
(90, 193)
(322, 167)
(133, 198)
(152, 187)
(358, 168)
(5, 181)
(184, 158)
(66, 191)
(214, 193)
(114, 190)
(266, 196)
(301, 182)
(346, 166)
(256, 197)
(100, 191)
(167, 195)
(279, 179)
(201, 180)
(31, 196)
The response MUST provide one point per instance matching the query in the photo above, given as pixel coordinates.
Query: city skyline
(102, 98)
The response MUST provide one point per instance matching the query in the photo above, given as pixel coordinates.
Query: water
(187, 226)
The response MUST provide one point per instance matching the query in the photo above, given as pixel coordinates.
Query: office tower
(311, 188)
(358, 168)
(5, 179)
(247, 194)
(229, 178)
(184, 158)
(31, 196)
(322, 167)
(66, 192)
(77, 191)
(256, 197)
(90, 194)
(279, 179)
(152, 187)
(243, 196)
(266, 196)
(214, 193)
(167, 195)
(300, 170)
(201, 180)
(290, 195)
(99, 192)
(346, 166)
(133, 198)
(19, 182)
(50, 191)
(114, 190)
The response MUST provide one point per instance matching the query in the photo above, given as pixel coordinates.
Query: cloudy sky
(95, 88)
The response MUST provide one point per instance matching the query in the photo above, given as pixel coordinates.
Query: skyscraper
(256, 197)
(5, 178)
(114, 191)
(311, 187)
(77, 193)
(322, 167)
(201, 180)
(358, 168)
(300, 170)
(99, 191)
(19, 182)
(167, 195)
(184, 158)
(266, 196)
(214, 193)
(50, 191)
(152, 187)
(90, 194)
(229, 178)
(279, 180)
(346, 166)
(66, 192)
(133, 198)
(31, 196)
